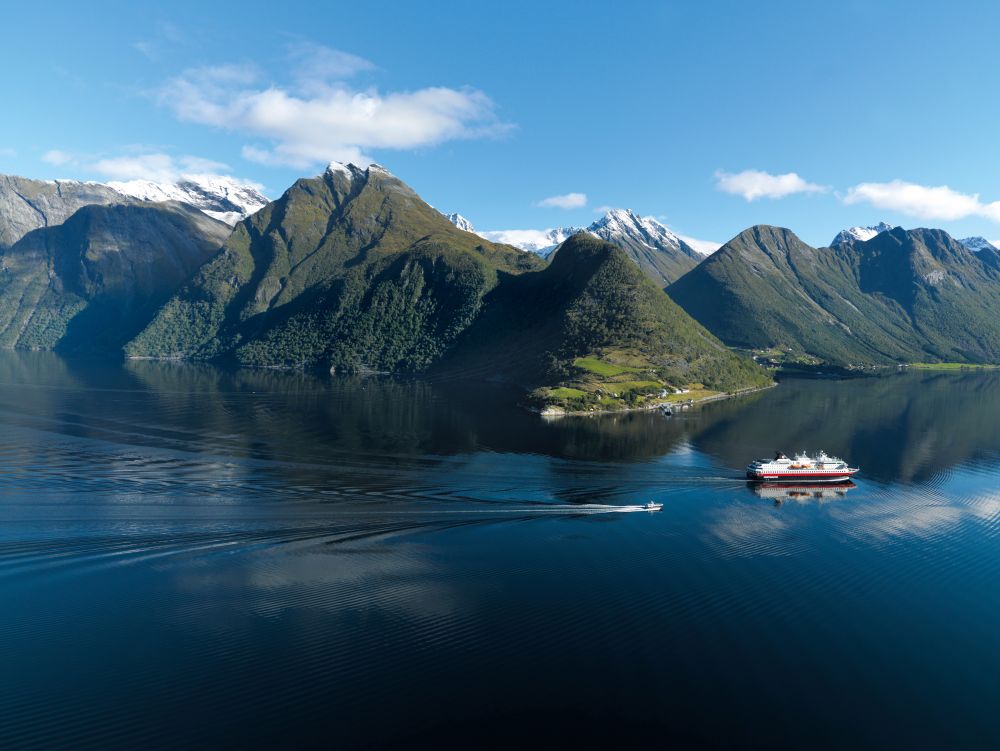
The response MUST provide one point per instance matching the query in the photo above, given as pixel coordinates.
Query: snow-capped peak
(461, 222)
(350, 170)
(218, 196)
(624, 225)
(340, 167)
(975, 244)
(860, 234)
(618, 226)
(625, 222)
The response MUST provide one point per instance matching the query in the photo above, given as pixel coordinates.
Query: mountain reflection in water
(191, 556)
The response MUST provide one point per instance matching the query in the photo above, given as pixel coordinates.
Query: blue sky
(711, 116)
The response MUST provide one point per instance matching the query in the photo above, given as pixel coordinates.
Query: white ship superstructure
(801, 468)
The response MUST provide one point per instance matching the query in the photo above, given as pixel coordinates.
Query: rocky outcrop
(26, 205)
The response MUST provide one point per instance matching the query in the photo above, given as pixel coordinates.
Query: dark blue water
(190, 557)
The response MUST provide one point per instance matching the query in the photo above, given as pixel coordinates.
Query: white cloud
(139, 164)
(318, 117)
(754, 184)
(161, 168)
(57, 157)
(925, 202)
(705, 247)
(567, 201)
(6, 151)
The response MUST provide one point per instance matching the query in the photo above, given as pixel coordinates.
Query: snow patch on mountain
(975, 244)
(341, 168)
(461, 222)
(624, 224)
(218, 196)
(860, 234)
(705, 247)
(540, 241)
(616, 226)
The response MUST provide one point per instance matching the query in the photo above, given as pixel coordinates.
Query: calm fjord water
(190, 556)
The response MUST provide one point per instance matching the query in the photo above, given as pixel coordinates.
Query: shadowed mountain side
(93, 282)
(903, 296)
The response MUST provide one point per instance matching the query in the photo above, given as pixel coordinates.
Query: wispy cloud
(6, 151)
(161, 168)
(754, 184)
(166, 36)
(315, 66)
(58, 157)
(137, 164)
(566, 201)
(922, 201)
(318, 116)
(146, 48)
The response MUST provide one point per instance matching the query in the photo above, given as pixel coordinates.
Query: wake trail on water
(83, 554)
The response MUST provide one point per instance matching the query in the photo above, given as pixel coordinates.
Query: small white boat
(651, 506)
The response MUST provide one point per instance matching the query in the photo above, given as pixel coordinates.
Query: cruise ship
(802, 469)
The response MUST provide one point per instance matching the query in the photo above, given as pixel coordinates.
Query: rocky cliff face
(26, 205)
(93, 282)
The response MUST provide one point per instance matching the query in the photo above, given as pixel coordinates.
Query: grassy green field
(601, 368)
(565, 392)
(607, 381)
(952, 366)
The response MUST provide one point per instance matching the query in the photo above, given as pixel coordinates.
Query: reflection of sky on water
(872, 513)
(381, 573)
(275, 550)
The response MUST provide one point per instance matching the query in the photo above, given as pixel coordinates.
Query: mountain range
(901, 296)
(540, 241)
(658, 251)
(27, 204)
(859, 234)
(352, 271)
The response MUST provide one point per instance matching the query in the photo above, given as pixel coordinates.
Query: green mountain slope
(903, 296)
(350, 270)
(591, 330)
(93, 282)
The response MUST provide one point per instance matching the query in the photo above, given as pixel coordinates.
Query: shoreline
(555, 412)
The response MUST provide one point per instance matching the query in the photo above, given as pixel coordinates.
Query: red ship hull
(803, 476)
